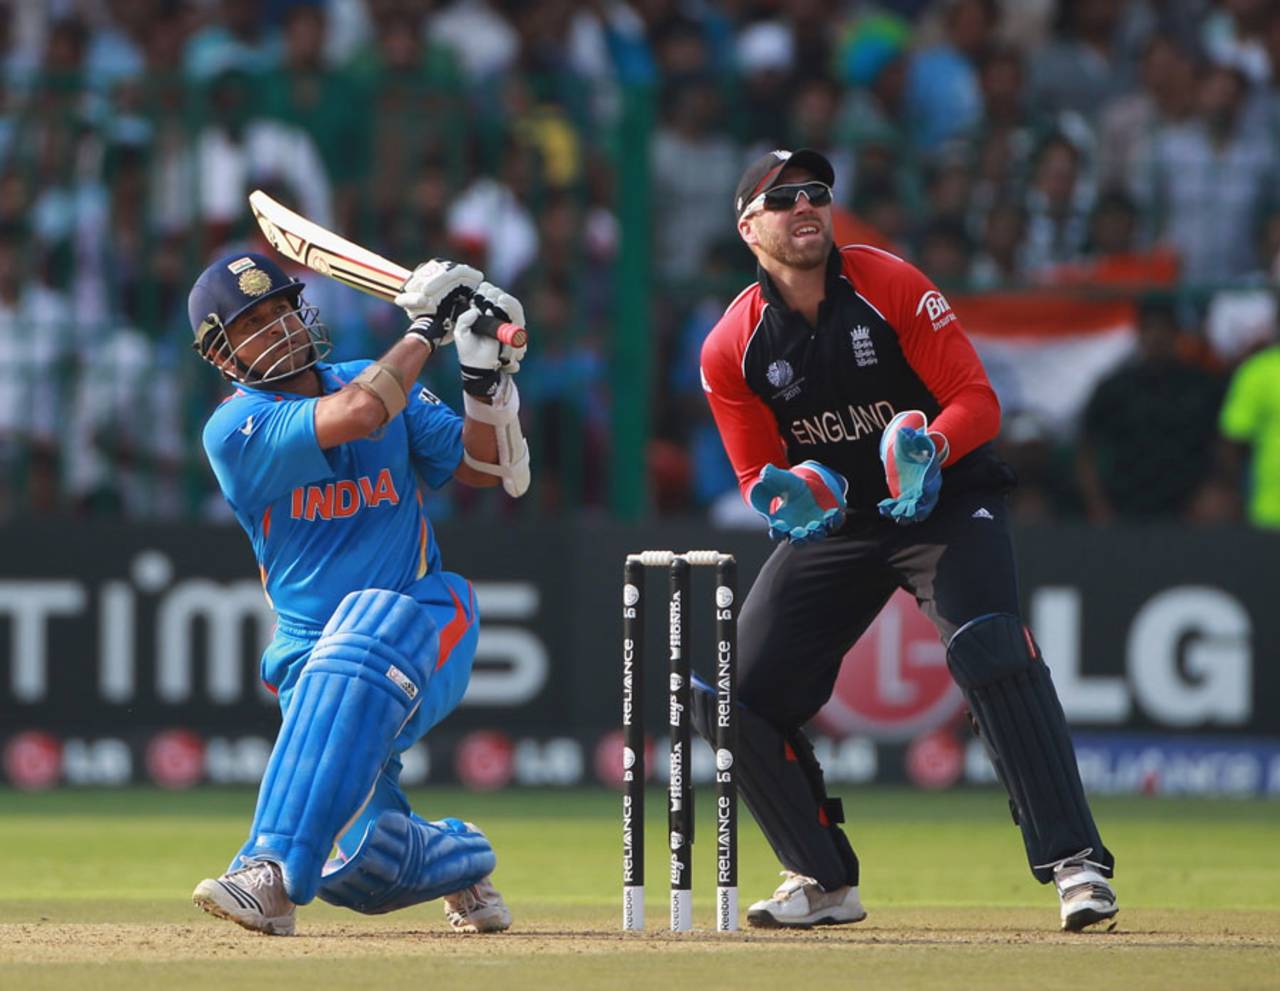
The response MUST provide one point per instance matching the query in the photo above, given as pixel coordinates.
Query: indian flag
(1045, 350)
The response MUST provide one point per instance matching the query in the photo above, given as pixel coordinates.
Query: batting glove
(800, 504)
(434, 296)
(481, 358)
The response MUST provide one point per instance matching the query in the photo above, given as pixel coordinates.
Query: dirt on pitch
(61, 943)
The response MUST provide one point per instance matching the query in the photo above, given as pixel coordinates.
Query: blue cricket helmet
(229, 288)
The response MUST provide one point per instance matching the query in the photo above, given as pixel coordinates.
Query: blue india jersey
(326, 522)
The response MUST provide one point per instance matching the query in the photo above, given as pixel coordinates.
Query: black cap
(763, 173)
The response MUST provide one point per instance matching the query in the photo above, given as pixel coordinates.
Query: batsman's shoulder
(237, 413)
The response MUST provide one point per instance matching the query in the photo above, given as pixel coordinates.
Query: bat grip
(508, 333)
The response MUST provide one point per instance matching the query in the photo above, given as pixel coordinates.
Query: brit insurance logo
(935, 305)
(864, 352)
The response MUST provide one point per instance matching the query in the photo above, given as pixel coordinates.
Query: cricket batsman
(374, 639)
(859, 421)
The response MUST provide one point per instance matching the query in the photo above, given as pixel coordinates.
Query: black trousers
(811, 602)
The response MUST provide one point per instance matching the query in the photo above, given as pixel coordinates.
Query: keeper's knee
(989, 649)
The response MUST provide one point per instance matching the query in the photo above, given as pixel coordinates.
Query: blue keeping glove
(802, 503)
(912, 459)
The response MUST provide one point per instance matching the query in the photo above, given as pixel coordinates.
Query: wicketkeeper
(374, 640)
(859, 421)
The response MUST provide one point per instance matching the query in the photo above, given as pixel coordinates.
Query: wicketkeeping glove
(802, 503)
(435, 295)
(912, 456)
(481, 358)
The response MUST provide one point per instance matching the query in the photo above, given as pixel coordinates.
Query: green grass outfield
(95, 886)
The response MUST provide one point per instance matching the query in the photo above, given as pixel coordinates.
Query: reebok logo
(981, 513)
(402, 681)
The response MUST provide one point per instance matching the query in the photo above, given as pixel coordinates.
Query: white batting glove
(483, 359)
(495, 302)
(434, 295)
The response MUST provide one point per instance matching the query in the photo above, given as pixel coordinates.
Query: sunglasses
(784, 197)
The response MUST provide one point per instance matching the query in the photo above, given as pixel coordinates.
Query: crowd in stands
(1094, 183)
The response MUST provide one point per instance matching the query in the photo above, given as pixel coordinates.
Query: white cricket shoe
(252, 896)
(801, 903)
(1086, 895)
(477, 909)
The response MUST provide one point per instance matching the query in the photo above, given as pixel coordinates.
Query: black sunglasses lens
(784, 197)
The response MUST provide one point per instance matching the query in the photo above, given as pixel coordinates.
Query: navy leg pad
(405, 860)
(998, 666)
(781, 781)
(363, 681)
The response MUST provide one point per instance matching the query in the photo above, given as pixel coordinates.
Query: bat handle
(508, 333)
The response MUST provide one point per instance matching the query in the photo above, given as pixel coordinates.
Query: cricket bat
(332, 255)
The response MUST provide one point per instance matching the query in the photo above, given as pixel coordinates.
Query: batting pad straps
(513, 449)
(383, 381)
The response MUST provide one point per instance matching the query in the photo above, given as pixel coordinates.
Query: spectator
(1235, 34)
(238, 39)
(765, 60)
(1250, 424)
(240, 149)
(693, 163)
(946, 253)
(125, 449)
(1213, 180)
(1089, 63)
(873, 63)
(1149, 429)
(1129, 122)
(483, 41)
(1112, 256)
(814, 119)
(1002, 78)
(1058, 206)
(305, 93)
(117, 49)
(943, 96)
(810, 22)
(565, 401)
(407, 81)
(34, 350)
(1028, 447)
(489, 223)
(950, 190)
(999, 262)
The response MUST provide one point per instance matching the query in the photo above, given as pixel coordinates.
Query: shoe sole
(1079, 921)
(210, 904)
(766, 920)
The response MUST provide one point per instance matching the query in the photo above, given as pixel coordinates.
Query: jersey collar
(769, 289)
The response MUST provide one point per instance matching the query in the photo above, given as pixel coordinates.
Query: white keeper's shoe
(1087, 897)
(477, 909)
(252, 896)
(800, 903)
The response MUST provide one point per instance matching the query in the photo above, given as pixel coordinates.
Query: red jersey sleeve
(747, 426)
(934, 344)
